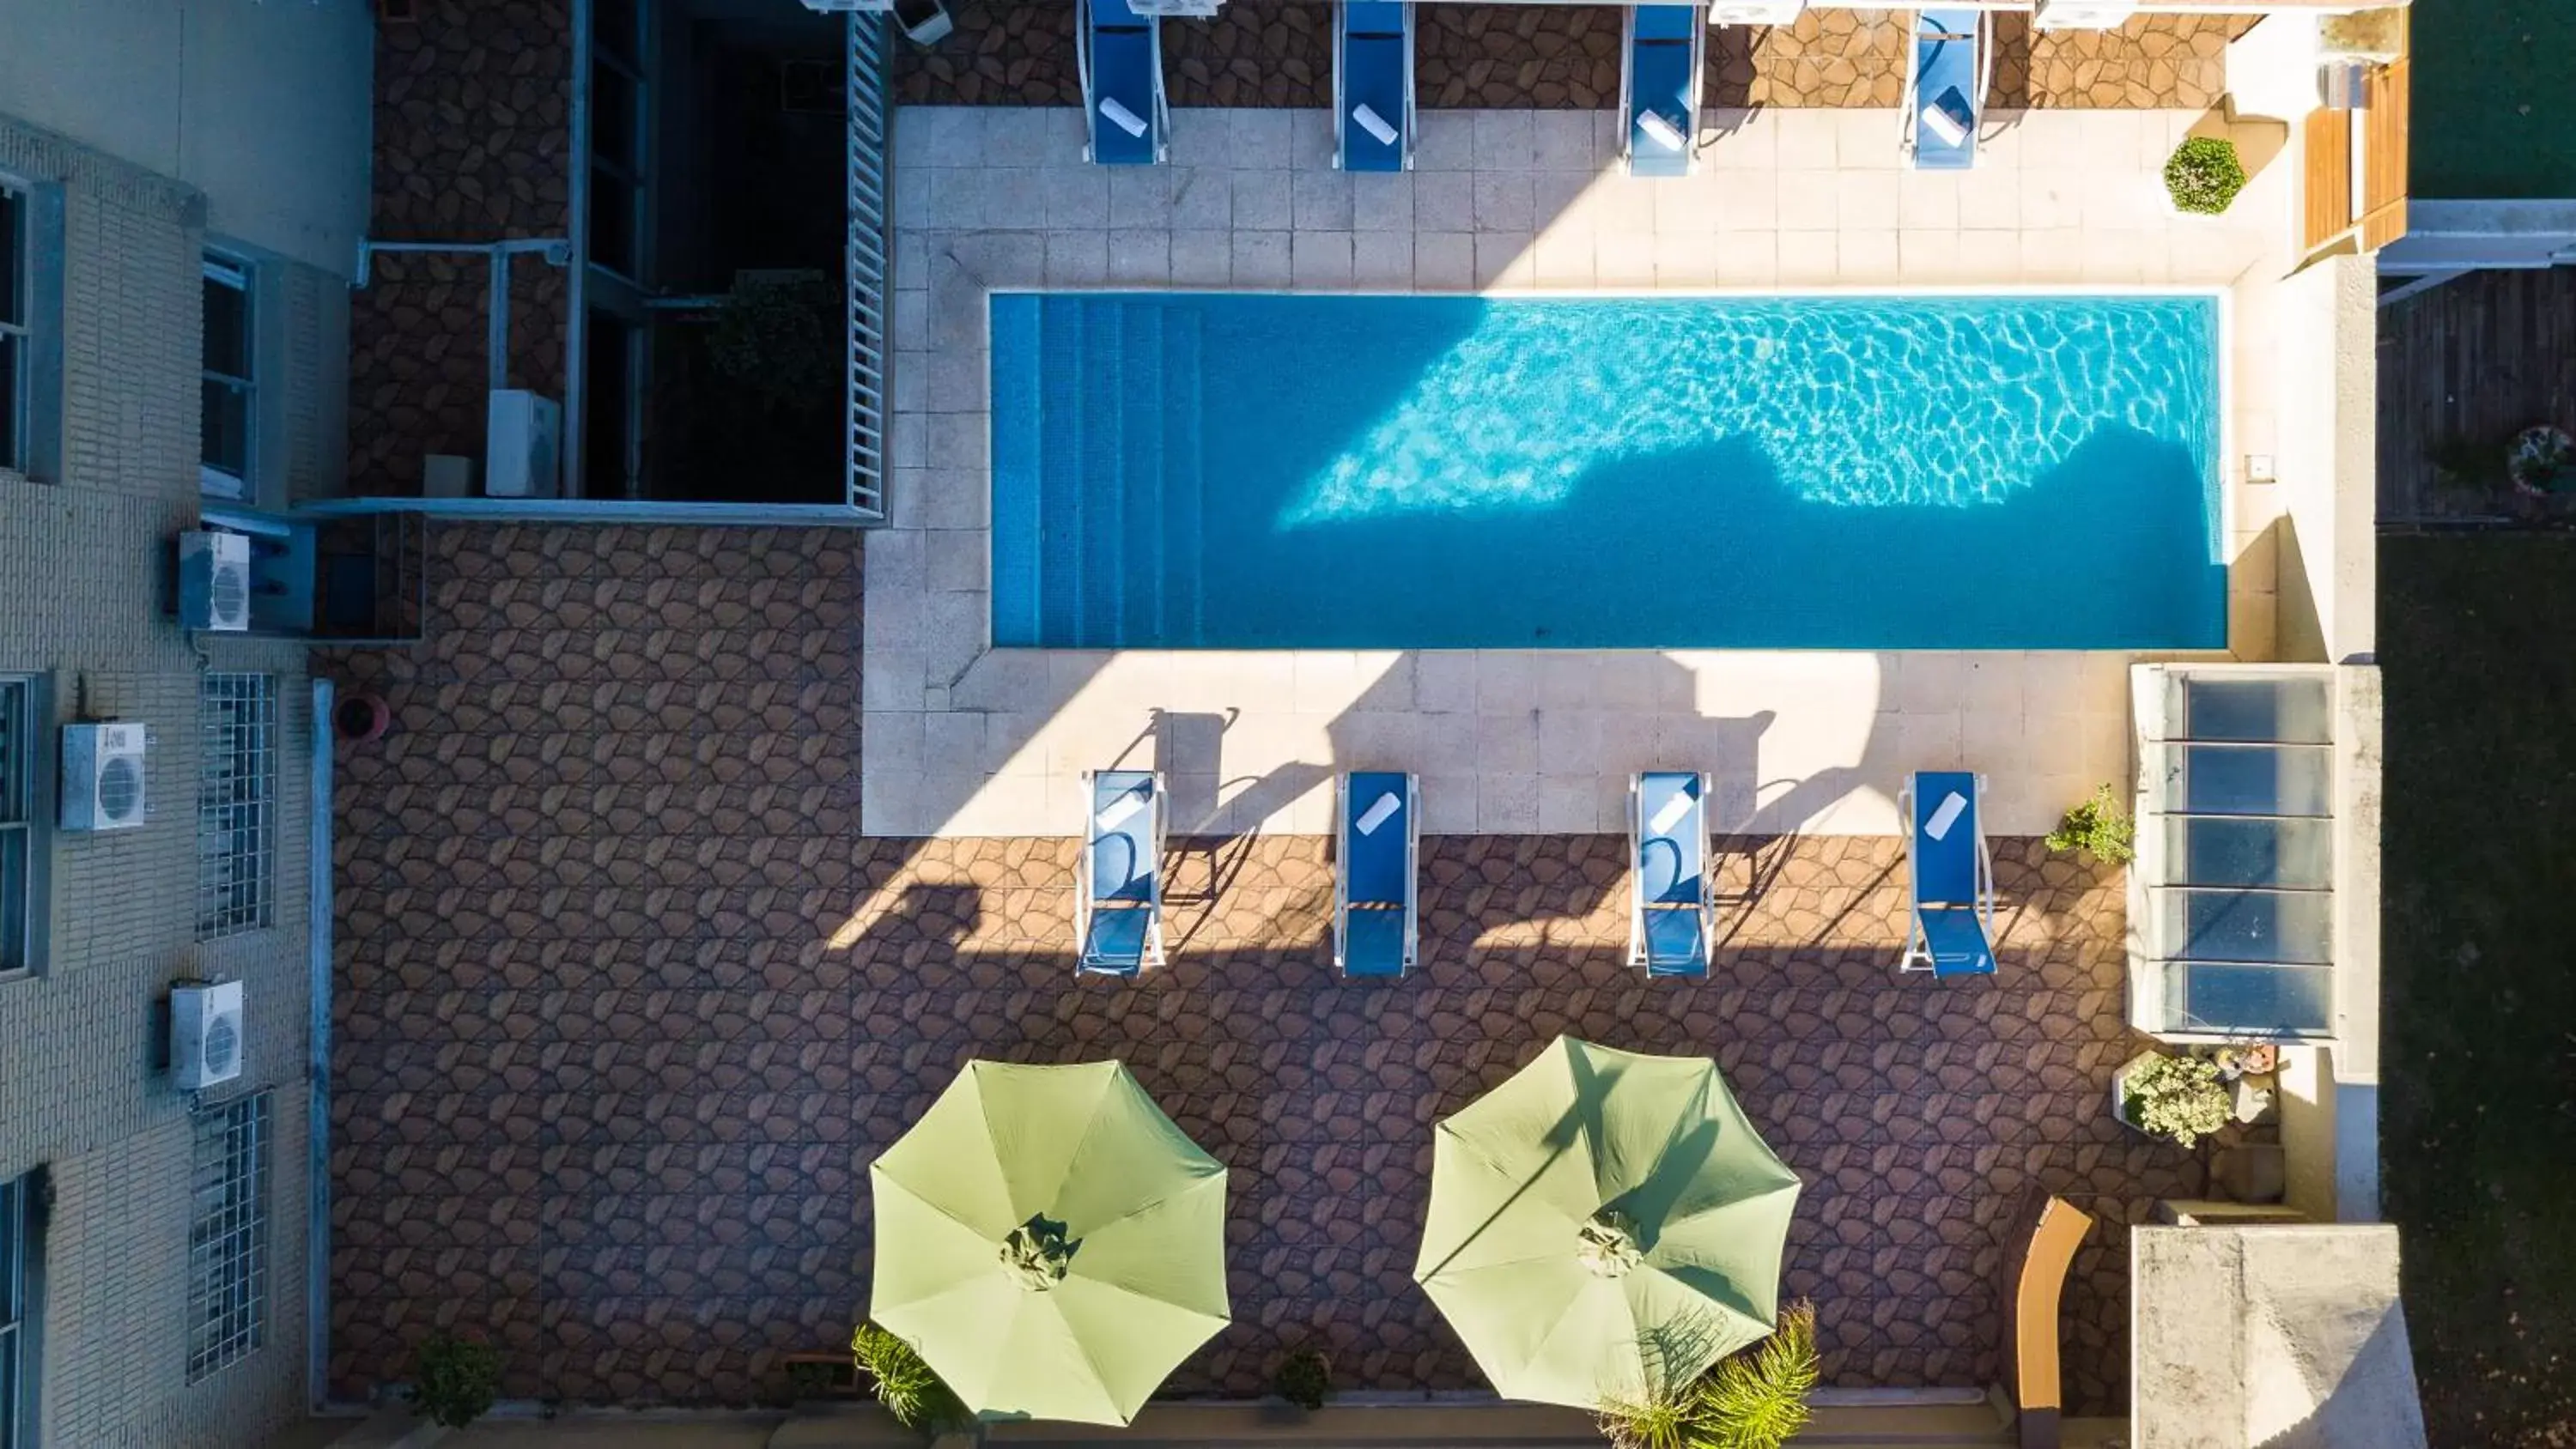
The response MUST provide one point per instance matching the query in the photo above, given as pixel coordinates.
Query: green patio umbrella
(1604, 1224)
(1049, 1242)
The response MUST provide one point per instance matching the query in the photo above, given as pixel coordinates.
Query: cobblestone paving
(1279, 53)
(625, 1004)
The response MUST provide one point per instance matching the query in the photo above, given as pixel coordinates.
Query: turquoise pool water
(1193, 470)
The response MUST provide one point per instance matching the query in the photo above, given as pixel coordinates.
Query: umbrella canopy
(1604, 1225)
(1049, 1242)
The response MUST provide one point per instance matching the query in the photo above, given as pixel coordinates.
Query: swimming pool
(1195, 470)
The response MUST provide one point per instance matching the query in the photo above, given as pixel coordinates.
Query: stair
(1097, 476)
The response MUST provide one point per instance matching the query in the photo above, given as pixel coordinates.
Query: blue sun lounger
(1373, 85)
(1945, 88)
(1953, 877)
(1374, 905)
(1118, 903)
(1124, 111)
(1671, 917)
(1659, 81)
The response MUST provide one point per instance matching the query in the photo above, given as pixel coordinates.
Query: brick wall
(80, 603)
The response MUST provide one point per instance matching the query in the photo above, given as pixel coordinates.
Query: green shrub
(904, 1383)
(454, 1380)
(2205, 175)
(1758, 1398)
(1753, 1399)
(1305, 1378)
(2180, 1098)
(2099, 827)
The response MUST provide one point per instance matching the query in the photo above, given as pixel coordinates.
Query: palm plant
(904, 1382)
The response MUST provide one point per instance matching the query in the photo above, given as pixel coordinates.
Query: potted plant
(2181, 1098)
(2099, 828)
(2542, 461)
(454, 1380)
(1304, 1378)
(2203, 176)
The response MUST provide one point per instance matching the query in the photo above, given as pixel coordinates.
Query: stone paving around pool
(625, 1002)
(1279, 53)
(967, 740)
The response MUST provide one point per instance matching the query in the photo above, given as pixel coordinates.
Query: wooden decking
(2462, 368)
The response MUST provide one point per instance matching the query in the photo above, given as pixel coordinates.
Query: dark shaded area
(2493, 118)
(2479, 1068)
(2462, 368)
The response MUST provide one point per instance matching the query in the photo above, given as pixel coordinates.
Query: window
(20, 858)
(228, 1236)
(619, 113)
(17, 288)
(236, 804)
(17, 1245)
(224, 449)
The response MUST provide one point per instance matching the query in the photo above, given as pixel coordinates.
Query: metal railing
(870, 272)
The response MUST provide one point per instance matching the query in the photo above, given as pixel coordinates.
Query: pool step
(1097, 476)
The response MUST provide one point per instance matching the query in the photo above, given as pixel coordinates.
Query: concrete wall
(2444, 236)
(81, 605)
(262, 107)
(2325, 320)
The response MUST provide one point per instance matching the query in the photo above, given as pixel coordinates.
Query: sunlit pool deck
(962, 739)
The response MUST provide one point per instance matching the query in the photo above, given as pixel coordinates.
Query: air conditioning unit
(205, 1034)
(214, 581)
(1756, 12)
(924, 21)
(2082, 14)
(103, 776)
(1178, 9)
(523, 445)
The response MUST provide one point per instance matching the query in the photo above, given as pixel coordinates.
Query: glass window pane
(16, 760)
(227, 328)
(2249, 779)
(2217, 851)
(612, 115)
(14, 887)
(2254, 998)
(13, 256)
(2257, 709)
(226, 428)
(612, 224)
(613, 26)
(2266, 926)
(11, 370)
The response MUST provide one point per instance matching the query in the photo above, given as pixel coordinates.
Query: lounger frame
(1918, 944)
(1706, 906)
(1628, 90)
(1160, 118)
(1910, 113)
(1084, 906)
(1342, 103)
(1342, 819)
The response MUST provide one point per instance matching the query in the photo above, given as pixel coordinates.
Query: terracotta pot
(360, 719)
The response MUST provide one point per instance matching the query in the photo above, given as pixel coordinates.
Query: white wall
(2325, 322)
(262, 106)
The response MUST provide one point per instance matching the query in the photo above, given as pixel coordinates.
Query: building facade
(172, 347)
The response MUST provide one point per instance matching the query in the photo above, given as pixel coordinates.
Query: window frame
(631, 57)
(227, 269)
(237, 803)
(229, 1181)
(33, 400)
(26, 814)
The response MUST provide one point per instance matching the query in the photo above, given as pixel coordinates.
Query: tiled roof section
(624, 1006)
